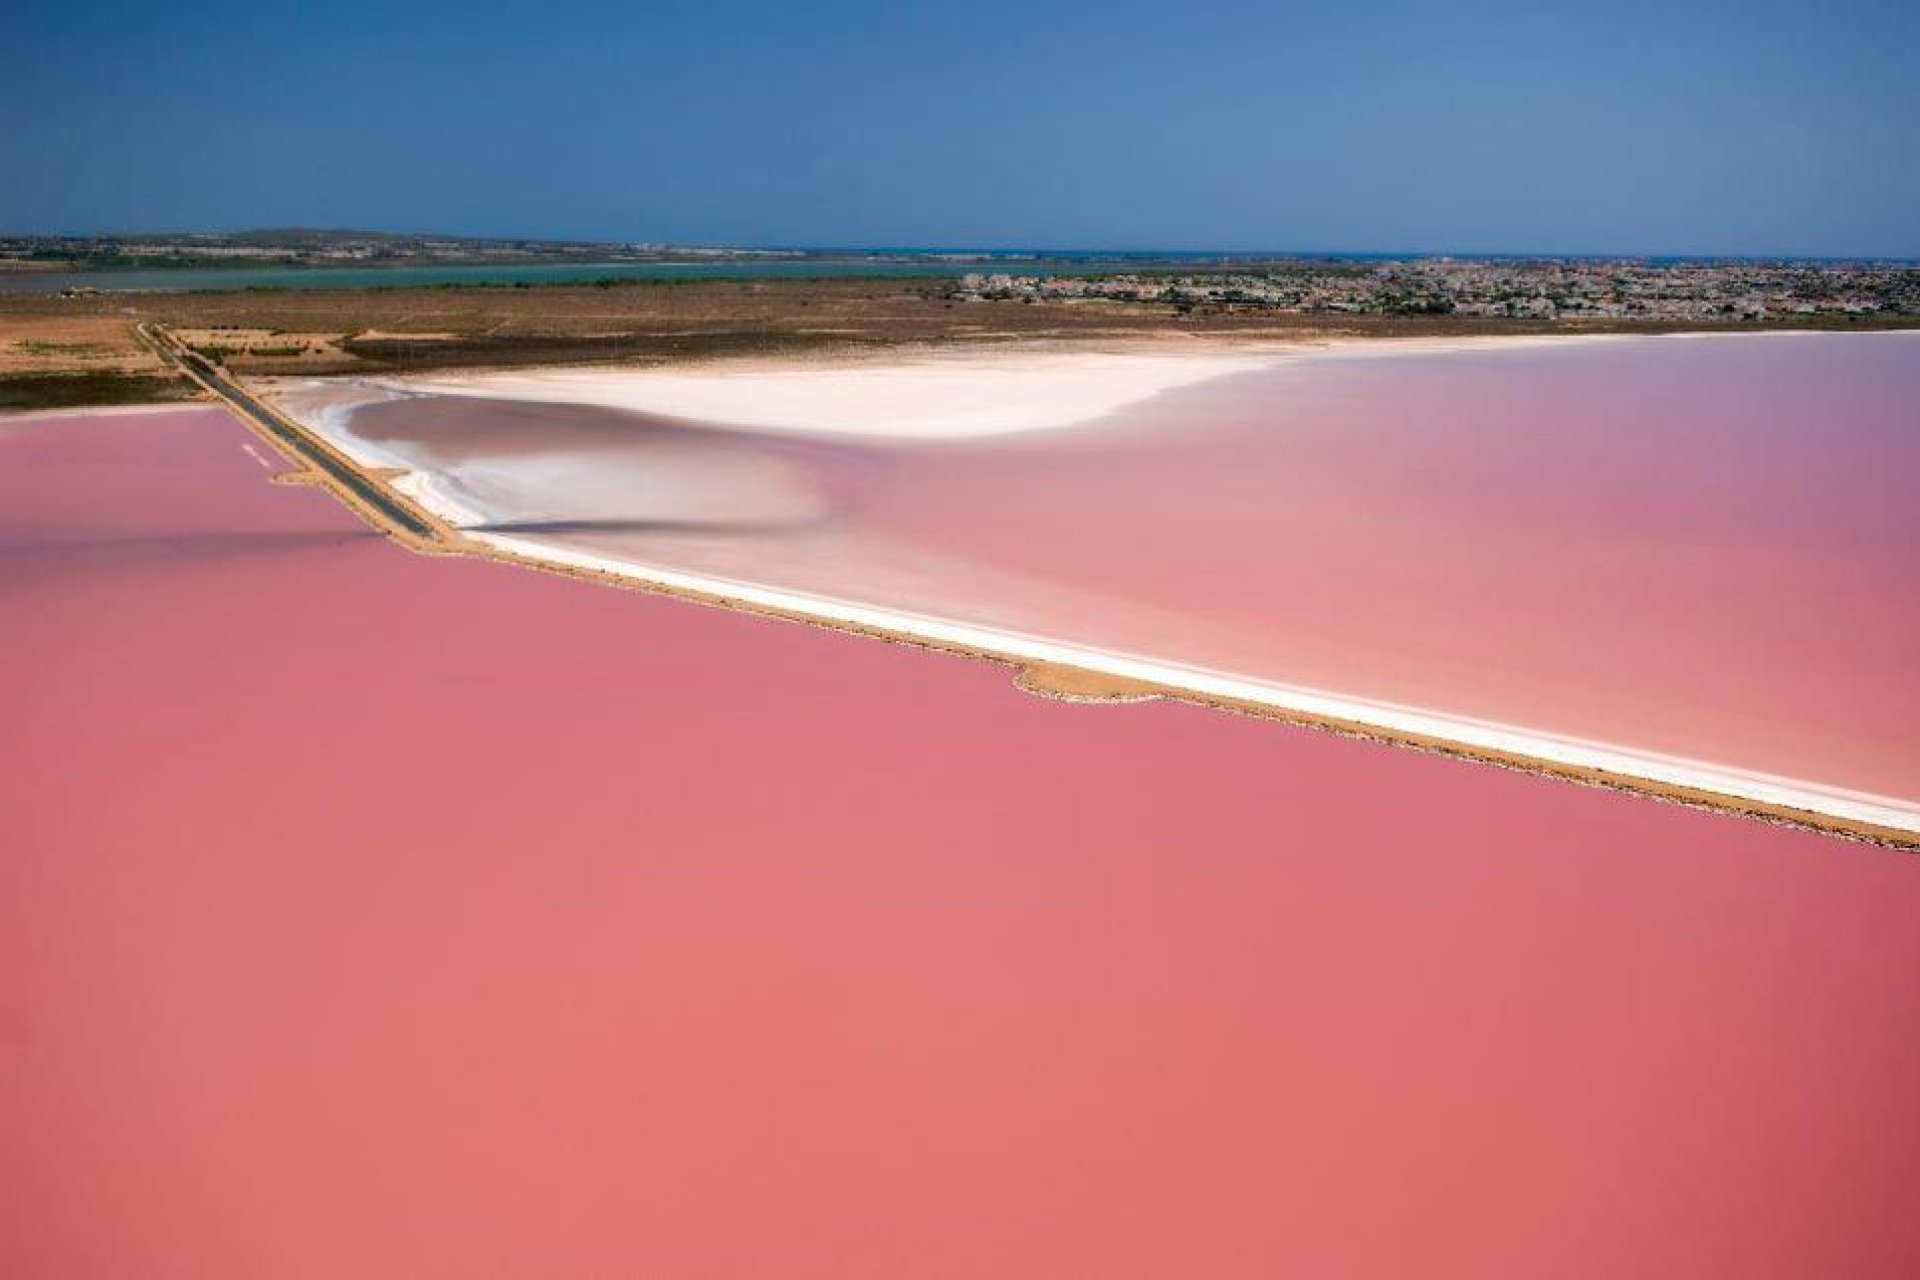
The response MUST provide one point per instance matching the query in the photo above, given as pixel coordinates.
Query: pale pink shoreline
(528, 926)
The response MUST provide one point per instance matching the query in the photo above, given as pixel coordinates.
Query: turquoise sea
(228, 278)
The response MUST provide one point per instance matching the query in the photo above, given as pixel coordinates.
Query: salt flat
(948, 397)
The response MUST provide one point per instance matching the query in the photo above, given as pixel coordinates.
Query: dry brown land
(53, 357)
(89, 340)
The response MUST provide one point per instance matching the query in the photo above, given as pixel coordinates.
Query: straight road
(389, 511)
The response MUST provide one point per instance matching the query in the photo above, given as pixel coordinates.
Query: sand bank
(927, 397)
(932, 398)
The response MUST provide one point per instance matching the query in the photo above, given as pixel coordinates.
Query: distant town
(318, 303)
(1527, 289)
(1654, 291)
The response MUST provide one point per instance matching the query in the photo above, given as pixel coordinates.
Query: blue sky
(1691, 126)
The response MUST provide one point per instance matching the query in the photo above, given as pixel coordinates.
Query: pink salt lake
(372, 914)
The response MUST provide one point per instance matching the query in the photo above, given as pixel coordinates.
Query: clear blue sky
(1688, 126)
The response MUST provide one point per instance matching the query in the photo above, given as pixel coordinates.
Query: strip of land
(412, 518)
(1123, 677)
(58, 350)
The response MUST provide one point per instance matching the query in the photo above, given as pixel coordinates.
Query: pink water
(371, 914)
(1708, 548)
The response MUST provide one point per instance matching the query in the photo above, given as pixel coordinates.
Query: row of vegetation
(74, 390)
(220, 353)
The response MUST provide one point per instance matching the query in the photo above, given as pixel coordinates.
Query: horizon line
(1038, 250)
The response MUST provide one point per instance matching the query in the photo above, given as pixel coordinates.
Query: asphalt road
(382, 501)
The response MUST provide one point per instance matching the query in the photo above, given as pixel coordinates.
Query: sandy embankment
(976, 395)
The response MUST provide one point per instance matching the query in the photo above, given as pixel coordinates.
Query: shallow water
(1705, 548)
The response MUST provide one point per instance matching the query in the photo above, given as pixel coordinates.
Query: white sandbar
(931, 398)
